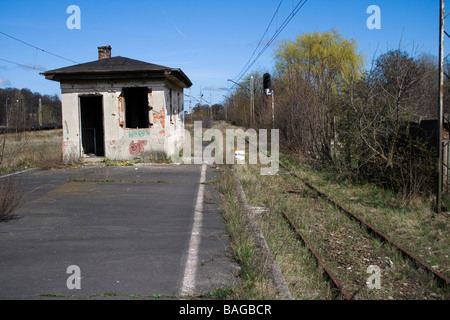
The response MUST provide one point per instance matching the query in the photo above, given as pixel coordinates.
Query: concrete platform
(126, 228)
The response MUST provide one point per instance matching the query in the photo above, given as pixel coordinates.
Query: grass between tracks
(412, 223)
(255, 282)
(346, 248)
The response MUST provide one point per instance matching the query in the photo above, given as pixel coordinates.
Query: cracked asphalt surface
(126, 228)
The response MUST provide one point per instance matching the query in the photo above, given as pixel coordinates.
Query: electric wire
(262, 38)
(22, 65)
(37, 48)
(277, 32)
(288, 19)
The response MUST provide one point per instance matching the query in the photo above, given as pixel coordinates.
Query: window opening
(136, 107)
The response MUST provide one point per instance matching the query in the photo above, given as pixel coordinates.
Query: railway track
(371, 231)
(444, 280)
(47, 126)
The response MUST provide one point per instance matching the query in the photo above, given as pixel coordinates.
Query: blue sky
(210, 41)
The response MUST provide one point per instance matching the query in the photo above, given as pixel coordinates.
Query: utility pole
(225, 107)
(40, 112)
(201, 105)
(7, 113)
(441, 105)
(267, 83)
(210, 106)
(190, 106)
(252, 100)
(273, 109)
(226, 112)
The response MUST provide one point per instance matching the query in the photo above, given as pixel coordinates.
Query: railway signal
(267, 84)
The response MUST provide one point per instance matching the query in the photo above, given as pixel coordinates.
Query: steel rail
(440, 277)
(371, 230)
(333, 279)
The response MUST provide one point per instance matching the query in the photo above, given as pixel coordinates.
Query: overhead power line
(262, 38)
(22, 65)
(37, 48)
(288, 19)
(198, 99)
(192, 97)
(277, 32)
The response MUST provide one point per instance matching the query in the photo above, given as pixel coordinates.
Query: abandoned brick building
(120, 108)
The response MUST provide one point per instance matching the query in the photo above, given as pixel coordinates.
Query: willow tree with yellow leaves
(311, 72)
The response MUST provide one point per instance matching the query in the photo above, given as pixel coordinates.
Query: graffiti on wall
(65, 145)
(112, 144)
(138, 133)
(137, 148)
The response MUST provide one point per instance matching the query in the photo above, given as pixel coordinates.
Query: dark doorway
(92, 136)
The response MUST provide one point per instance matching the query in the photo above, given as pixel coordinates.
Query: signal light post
(267, 83)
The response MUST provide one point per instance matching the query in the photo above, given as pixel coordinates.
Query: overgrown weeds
(153, 156)
(348, 248)
(411, 222)
(10, 197)
(24, 150)
(255, 284)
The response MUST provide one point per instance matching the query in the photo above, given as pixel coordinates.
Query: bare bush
(2, 147)
(377, 120)
(333, 113)
(10, 197)
(300, 120)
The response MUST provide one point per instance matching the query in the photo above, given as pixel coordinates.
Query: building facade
(120, 108)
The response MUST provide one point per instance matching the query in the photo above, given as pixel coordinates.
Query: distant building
(120, 108)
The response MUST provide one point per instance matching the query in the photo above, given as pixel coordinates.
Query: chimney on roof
(104, 52)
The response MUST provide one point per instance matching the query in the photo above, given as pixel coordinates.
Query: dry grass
(23, 150)
(347, 249)
(255, 283)
(412, 223)
(298, 266)
(32, 149)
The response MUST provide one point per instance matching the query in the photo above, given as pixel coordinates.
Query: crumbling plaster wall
(123, 143)
(175, 128)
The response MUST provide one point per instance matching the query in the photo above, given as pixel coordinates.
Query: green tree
(325, 59)
(325, 62)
